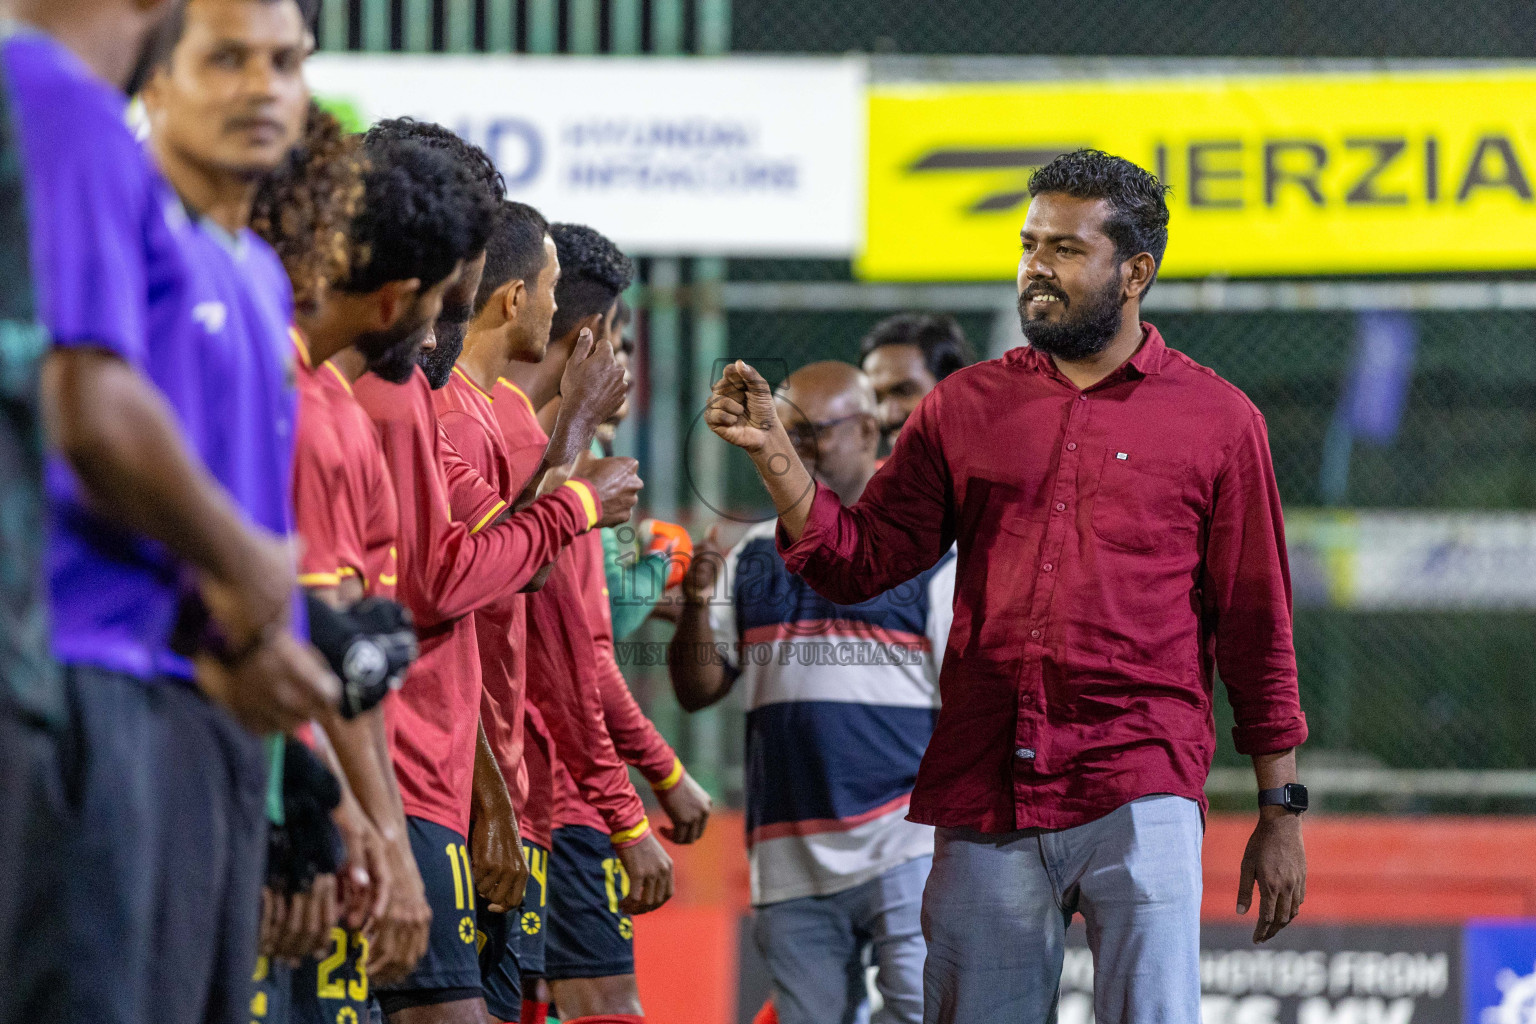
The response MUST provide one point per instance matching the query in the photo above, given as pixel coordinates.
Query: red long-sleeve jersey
(563, 677)
(448, 569)
(464, 412)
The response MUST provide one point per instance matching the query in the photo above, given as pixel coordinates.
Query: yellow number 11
(463, 889)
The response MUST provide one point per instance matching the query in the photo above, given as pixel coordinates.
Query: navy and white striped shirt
(841, 701)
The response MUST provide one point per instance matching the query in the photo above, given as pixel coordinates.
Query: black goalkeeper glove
(369, 647)
(307, 844)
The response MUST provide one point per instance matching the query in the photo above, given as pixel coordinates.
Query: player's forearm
(789, 486)
(1273, 771)
(356, 745)
(379, 743)
(574, 429)
(549, 476)
(571, 437)
(123, 442)
(694, 663)
(635, 736)
(490, 796)
(477, 569)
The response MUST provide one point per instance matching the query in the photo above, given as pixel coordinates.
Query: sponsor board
(1308, 173)
(716, 156)
(1500, 959)
(1308, 974)
(1413, 561)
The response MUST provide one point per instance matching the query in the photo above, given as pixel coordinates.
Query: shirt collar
(300, 345)
(1149, 357)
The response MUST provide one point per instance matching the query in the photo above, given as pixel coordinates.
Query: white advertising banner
(1413, 561)
(686, 156)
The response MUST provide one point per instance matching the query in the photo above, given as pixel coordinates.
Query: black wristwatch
(1292, 796)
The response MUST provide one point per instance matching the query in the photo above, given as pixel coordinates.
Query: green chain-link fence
(1396, 689)
(1449, 688)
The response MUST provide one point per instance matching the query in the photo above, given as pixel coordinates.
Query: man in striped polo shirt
(841, 700)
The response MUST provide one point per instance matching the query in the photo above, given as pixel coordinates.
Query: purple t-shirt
(120, 266)
(224, 358)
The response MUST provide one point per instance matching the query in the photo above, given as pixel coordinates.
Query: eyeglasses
(803, 435)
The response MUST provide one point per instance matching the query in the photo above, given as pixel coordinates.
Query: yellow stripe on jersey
(495, 511)
(629, 835)
(673, 777)
(519, 393)
(588, 500)
(468, 380)
(319, 579)
(341, 377)
(297, 337)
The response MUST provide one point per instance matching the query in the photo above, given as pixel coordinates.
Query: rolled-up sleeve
(1246, 589)
(900, 526)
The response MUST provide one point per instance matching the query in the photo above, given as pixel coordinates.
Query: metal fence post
(706, 455)
(665, 338)
(667, 27)
(624, 26)
(500, 26)
(376, 34)
(417, 33)
(581, 26)
(543, 26)
(459, 26)
(333, 27)
(713, 26)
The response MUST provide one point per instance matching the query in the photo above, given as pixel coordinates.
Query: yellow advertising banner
(1294, 174)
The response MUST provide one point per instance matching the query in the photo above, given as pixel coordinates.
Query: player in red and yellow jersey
(589, 945)
(511, 323)
(449, 569)
(346, 516)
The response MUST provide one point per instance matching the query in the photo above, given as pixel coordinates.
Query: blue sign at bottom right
(1499, 961)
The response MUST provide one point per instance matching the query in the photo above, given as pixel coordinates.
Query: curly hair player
(1066, 772)
(371, 321)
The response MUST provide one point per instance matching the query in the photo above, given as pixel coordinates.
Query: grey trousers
(816, 946)
(996, 910)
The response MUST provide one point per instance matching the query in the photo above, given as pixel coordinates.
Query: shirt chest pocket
(1142, 504)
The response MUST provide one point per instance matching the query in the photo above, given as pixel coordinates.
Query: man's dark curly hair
(940, 338)
(515, 251)
(492, 187)
(593, 273)
(305, 208)
(162, 45)
(421, 215)
(1139, 219)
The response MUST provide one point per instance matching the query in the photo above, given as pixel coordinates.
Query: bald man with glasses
(841, 701)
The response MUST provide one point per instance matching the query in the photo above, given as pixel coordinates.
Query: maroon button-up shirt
(1115, 545)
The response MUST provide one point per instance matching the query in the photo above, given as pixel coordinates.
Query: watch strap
(1273, 797)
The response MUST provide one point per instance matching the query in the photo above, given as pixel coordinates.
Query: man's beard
(392, 354)
(438, 363)
(1077, 335)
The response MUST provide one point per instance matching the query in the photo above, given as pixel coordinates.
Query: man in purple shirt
(167, 820)
(1120, 537)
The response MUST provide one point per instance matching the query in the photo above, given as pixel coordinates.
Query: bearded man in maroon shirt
(1120, 540)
